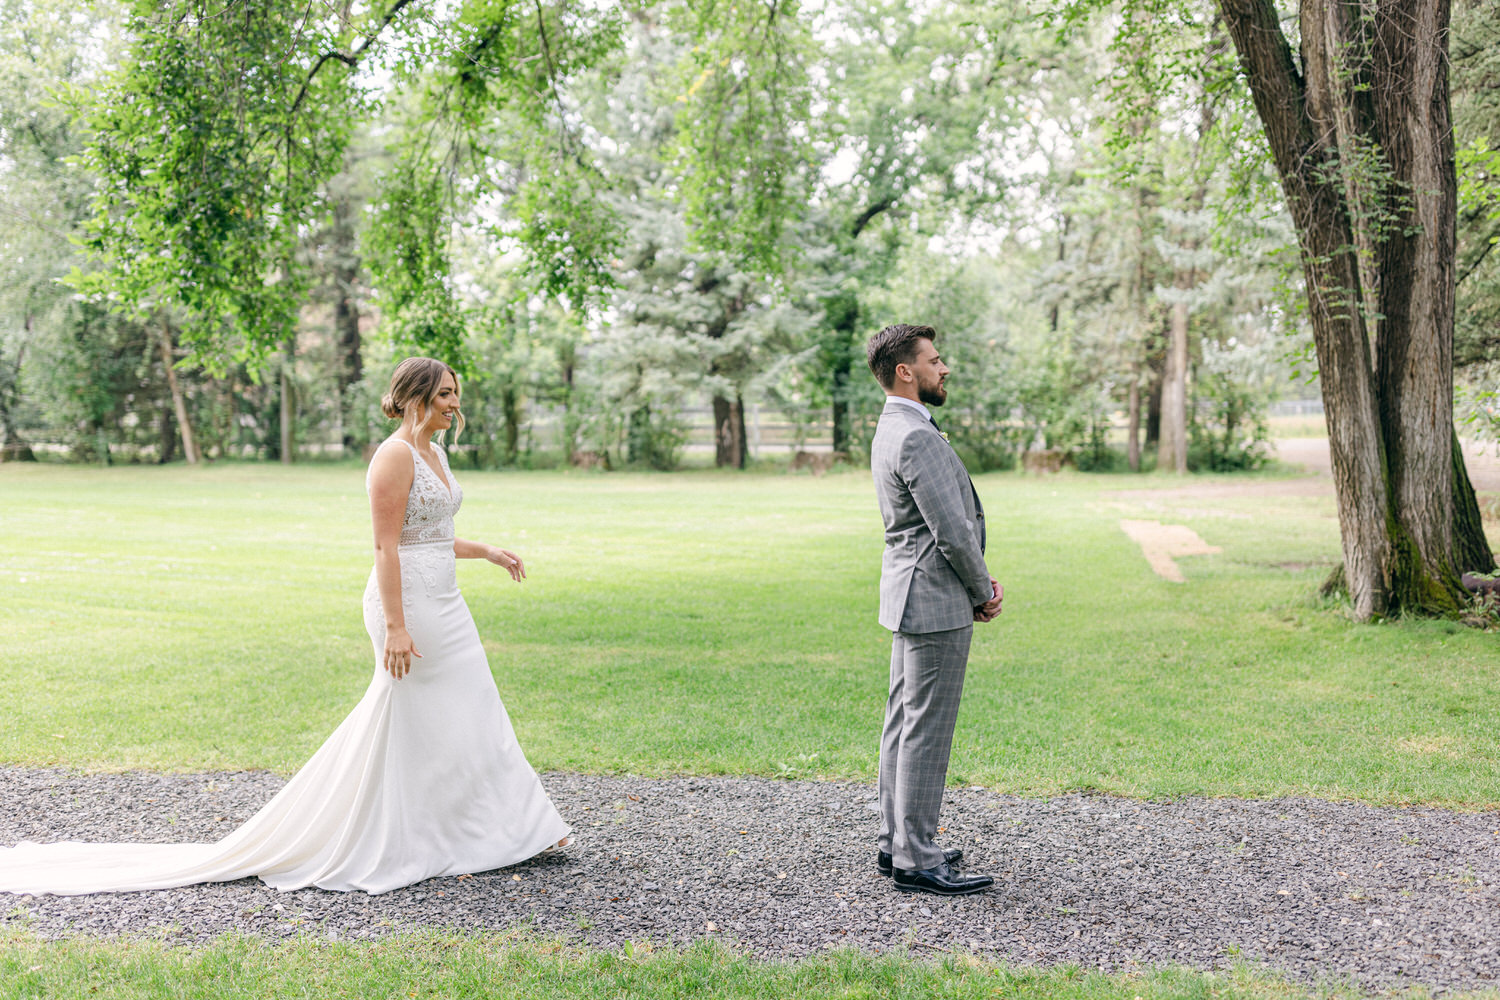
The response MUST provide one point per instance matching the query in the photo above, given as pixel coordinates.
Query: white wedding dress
(423, 778)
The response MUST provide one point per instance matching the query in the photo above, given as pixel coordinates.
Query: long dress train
(423, 778)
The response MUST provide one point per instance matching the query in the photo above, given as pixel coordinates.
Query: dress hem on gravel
(424, 778)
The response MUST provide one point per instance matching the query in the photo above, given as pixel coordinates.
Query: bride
(425, 776)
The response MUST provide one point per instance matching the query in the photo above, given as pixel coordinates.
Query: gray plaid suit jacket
(932, 575)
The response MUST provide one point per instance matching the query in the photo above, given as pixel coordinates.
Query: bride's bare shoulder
(391, 464)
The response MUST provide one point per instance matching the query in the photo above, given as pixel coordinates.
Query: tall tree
(871, 124)
(1358, 123)
(45, 47)
(214, 143)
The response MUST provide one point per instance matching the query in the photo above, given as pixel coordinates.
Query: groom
(933, 587)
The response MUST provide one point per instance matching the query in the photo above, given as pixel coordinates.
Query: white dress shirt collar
(926, 414)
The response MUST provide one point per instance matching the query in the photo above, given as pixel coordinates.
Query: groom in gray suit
(933, 587)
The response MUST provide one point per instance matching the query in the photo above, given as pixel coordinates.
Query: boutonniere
(945, 436)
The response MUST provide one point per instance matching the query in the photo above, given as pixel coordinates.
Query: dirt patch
(1162, 543)
(1312, 455)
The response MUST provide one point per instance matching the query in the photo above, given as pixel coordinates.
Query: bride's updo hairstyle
(414, 386)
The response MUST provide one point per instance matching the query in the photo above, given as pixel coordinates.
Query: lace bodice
(429, 506)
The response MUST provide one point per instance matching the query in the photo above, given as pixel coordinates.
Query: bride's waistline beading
(425, 545)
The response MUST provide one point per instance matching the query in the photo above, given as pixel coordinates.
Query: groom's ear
(904, 372)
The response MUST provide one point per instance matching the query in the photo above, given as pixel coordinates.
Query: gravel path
(780, 868)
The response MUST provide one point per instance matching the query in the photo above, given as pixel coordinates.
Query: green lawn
(186, 619)
(430, 966)
(197, 618)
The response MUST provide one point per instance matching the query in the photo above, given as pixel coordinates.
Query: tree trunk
(840, 417)
(166, 435)
(1155, 360)
(288, 405)
(1472, 550)
(729, 434)
(1171, 448)
(1299, 128)
(638, 436)
(1414, 331)
(1135, 298)
(739, 423)
(346, 320)
(567, 359)
(346, 310)
(1133, 433)
(840, 412)
(179, 401)
(510, 402)
(1055, 317)
(228, 417)
(12, 448)
(1389, 416)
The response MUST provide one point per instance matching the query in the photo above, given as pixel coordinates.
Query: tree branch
(864, 218)
(562, 118)
(1474, 264)
(349, 59)
(1276, 85)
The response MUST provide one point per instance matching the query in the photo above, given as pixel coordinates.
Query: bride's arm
(391, 473)
(504, 558)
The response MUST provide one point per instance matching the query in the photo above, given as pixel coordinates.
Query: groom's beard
(933, 395)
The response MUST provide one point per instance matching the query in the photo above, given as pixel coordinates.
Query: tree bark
(1471, 549)
(346, 309)
(840, 409)
(288, 405)
(739, 423)
(843, 316)
(638, 435)
(1171, 446)
(12, 447)
(840, 415)
(1300, 128)
(567, 359)
(510, 402)
(1414, 330)
(166, 435)
(1133, 433)
(1145, 194)
(1055, 317)
(1390, 414)
(179, 401)
(729, 433)
(1155, 361)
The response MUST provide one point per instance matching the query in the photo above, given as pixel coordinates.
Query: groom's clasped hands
(990, 610)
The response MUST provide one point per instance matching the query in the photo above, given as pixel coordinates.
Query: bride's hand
(508, 561)
(398, 652)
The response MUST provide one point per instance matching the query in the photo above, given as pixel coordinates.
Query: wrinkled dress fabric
(424, 777)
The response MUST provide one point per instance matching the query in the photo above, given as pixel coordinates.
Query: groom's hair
(895, 345)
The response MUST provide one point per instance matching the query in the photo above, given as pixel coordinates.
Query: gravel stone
(1386, 897)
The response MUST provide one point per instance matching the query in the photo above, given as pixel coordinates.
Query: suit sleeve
(935, 489)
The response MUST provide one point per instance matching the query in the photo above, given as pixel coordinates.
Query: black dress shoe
(951, 856)
(940, 881)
